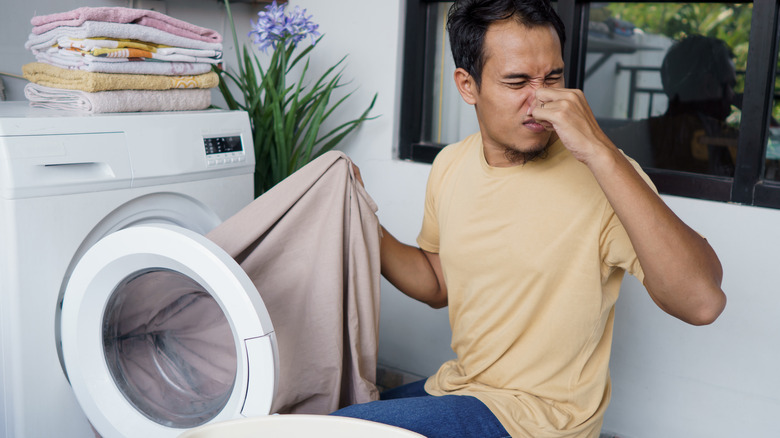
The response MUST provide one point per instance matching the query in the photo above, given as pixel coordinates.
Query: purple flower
(274, 27)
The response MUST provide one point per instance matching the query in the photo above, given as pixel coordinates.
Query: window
(686, 89)
(451, 118)
(665, 81)
(772, 163)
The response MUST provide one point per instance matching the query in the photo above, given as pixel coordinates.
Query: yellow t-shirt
(533, 257)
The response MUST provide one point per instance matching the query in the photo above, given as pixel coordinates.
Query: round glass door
(169, 348)
(162, 331)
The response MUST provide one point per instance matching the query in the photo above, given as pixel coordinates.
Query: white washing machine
(114, 309)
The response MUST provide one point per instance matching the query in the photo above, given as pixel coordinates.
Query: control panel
(224, 150)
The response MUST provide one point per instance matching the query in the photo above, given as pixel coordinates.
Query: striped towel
(145, 68)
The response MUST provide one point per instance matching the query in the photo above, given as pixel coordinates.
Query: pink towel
(157, 20)
(118, 101)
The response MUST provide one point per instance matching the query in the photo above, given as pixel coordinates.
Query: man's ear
(466, 86)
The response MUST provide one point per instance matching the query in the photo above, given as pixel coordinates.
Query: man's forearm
(682, 272)
(410, 270)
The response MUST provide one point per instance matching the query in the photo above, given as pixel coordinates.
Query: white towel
(93, 29)
(117, 101)
(146, 68)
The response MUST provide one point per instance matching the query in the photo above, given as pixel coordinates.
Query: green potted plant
(286, 117)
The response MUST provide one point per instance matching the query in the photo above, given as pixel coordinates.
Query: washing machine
(117, 316)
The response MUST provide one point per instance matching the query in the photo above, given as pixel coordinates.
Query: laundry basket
(298, 426)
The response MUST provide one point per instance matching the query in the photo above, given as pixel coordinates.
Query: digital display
(221, 145)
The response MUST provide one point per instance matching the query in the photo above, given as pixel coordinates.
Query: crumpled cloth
(157, 20)
(311, 247)
(117, 101)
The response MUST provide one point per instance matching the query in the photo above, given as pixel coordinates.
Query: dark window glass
(666, 80)
(772, 165)
(447, 118)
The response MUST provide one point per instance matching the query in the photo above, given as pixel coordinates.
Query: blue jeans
(410, 407)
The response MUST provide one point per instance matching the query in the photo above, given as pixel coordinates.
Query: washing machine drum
(162, 331)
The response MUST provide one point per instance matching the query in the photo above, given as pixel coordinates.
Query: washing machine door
(163, 331)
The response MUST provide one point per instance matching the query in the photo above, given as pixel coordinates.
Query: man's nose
(531, 101)
(537, 84)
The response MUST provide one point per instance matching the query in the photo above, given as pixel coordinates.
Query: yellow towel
(56, 77)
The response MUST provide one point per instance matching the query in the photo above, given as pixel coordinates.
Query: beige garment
(311, 247)
(56, 77)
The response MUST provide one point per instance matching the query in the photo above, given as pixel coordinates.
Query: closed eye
(554, 77)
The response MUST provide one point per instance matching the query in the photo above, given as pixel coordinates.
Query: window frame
(747, 186)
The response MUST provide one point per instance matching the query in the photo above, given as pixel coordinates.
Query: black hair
(468, 21)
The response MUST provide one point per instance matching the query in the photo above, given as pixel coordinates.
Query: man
(529, 226)
(693, 135)
(698, 77)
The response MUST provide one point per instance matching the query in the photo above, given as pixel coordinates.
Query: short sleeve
(616, 248)
(428, 239)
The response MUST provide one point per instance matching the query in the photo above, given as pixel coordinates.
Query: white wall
(670, 379)
(674, 380)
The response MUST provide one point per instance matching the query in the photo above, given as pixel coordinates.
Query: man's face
(519, 60)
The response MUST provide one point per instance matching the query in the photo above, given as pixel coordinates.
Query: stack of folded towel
(114, 59)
